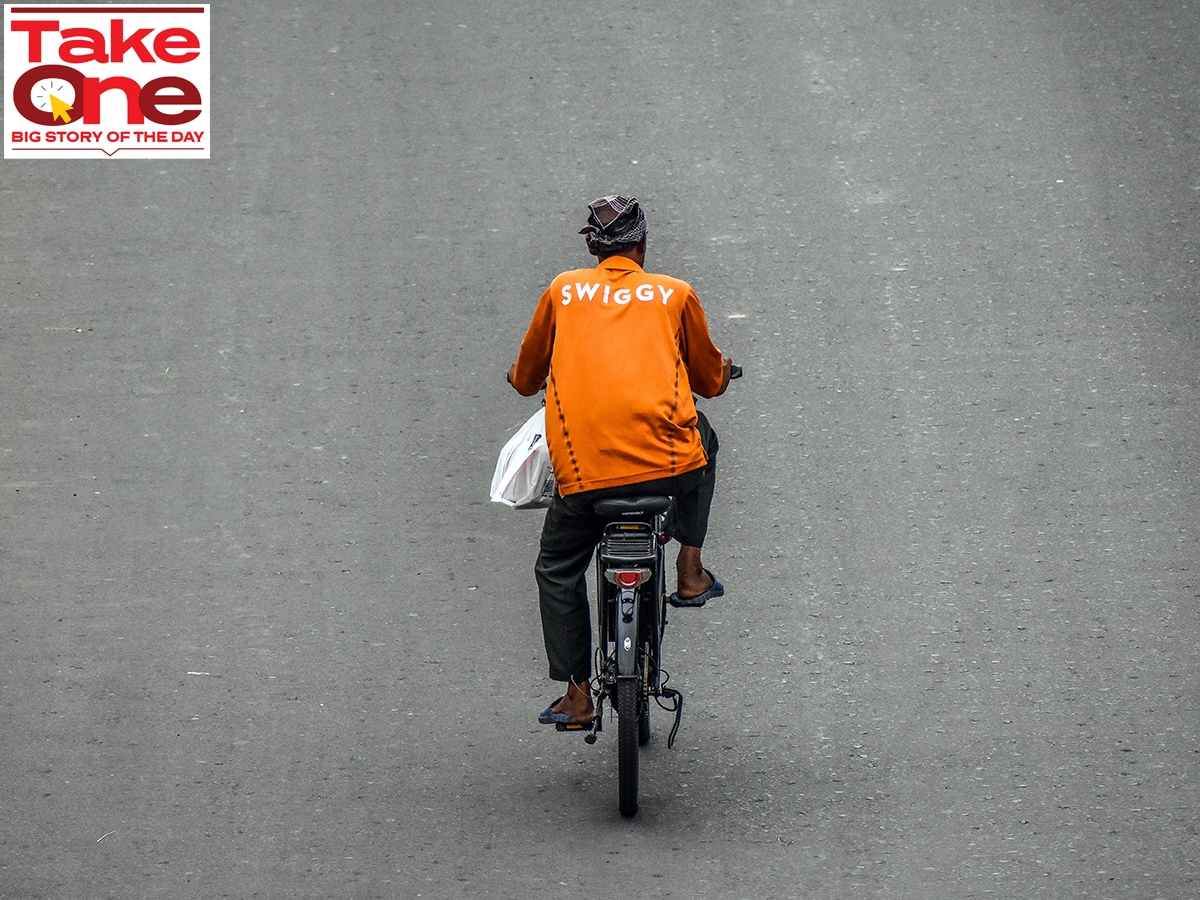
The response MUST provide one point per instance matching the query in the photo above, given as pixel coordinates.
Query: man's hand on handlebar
(727, 372)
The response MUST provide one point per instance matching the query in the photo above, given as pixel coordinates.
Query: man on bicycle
(619, 352)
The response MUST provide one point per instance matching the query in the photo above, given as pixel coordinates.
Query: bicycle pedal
(577, 726)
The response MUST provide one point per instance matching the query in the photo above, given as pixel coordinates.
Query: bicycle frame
(630, 587)
(629, 583)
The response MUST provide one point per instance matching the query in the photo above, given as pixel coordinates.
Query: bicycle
(632, 602)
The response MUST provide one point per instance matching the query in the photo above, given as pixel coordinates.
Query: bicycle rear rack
(628, 542)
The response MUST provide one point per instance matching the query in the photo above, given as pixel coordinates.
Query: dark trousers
(569, 537)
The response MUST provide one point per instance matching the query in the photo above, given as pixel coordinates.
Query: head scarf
(613, 222)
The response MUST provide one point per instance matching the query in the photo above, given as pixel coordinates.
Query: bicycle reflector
(627, 578)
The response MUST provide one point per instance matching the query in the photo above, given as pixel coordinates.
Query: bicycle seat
(626, 507)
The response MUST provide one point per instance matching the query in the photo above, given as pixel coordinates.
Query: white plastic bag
(524, 478)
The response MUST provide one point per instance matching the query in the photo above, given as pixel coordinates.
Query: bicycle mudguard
(627, 633)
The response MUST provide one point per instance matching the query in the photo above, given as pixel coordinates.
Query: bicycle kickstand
(677, 707)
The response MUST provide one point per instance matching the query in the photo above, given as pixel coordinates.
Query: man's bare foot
(576, 703)
(691, 579)
(694, 587)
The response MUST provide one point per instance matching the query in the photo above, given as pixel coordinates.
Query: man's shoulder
(671, 279)
(574, 275)
(678, 287)
(577, 273)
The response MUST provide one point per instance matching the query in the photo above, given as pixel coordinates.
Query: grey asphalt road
(265, 636)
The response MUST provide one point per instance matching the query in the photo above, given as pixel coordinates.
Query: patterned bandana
(613, 222)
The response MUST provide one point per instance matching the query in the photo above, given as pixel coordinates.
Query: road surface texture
(266, 637)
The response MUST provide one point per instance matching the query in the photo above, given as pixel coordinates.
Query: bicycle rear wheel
(629, 721)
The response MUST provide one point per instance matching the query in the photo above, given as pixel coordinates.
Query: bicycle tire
(629, 716)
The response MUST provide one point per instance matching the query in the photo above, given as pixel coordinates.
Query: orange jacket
(623, 350)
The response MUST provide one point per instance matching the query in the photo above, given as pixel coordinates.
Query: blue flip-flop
(548, 717)
(717, 590)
